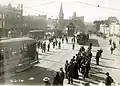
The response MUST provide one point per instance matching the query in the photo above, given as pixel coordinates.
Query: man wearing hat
(46, 81)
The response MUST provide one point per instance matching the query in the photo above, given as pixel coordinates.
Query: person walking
(108, 80)
(62, 76)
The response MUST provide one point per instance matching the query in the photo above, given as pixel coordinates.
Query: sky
(90, 13)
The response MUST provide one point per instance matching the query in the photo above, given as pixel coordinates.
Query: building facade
(12, 18)
(113, 29)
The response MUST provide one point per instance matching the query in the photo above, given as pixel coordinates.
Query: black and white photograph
(59, 42)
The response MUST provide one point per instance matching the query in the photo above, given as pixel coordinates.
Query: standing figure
(44, 46)
(74, 38)
(62, 76)
(38, 44)
(66, 40)
(56, 80)
(114, 45)
(70, 73)
(53, 44)
(48, 47)
(110, 41)
(59, 45)
(73, 46)
(62, 39)
(66, 68)
(97, 57)
(108, 80)
(111, 49)
(90, 46)
(56, 42)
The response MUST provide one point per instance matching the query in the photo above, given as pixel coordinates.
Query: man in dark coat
(97, 57)
(111, 49)
(108, 80)
(110, 41)
(56, 80)
(66, 68)
(66, 40)
(114, 45)
(48, 47)
(53, 44)
(70, 73)
(73, 46)
(75, 70)
(59, 45)
(44, 46)
(62, 76)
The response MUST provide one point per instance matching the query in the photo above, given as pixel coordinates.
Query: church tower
(61, 18)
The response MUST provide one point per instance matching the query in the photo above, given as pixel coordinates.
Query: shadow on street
(107, 59)
(109, 67)
(35, 73)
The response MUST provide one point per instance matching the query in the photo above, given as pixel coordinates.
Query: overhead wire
(43, 12)
(42, 4)
(98, 6)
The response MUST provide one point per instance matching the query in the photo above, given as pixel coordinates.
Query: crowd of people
(79, 63)
(56, 43)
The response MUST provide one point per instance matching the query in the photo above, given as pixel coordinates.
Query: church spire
(61, 9)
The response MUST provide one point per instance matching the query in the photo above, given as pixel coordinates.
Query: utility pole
(2, 25)
(21, 15)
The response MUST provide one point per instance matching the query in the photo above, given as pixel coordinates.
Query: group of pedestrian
(43, 46)
(56, 43)
(78, 64)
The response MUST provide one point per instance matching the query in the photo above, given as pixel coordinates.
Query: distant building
(35, 22)
(77, 21)
(113, 20)
(52, 23)
(113, 29)
(89, 27)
